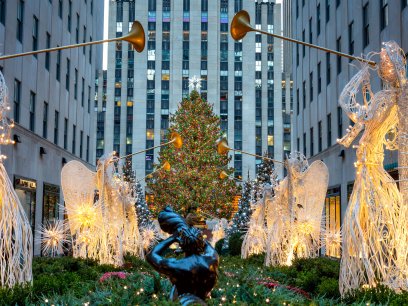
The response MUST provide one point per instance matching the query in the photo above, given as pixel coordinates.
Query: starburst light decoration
(194, 83)
(53, 238)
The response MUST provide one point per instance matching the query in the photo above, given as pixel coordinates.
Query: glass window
(26, 191)
(20, 20)
(333, 221)
(51, 203)
(32, 111)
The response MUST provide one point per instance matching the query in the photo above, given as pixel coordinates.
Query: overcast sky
(105, 33)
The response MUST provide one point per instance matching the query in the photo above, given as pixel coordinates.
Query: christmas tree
(194, 184)
(242, 216)
(144, 215)
(265, 175)
(142, 210)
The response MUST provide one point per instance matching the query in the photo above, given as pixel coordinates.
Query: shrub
(235, 244)
(218, 246)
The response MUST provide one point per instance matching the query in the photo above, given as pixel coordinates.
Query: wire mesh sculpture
(294, 214)
(16, 243)
(53, 238)
(374, 228)
(105, 229)
(218, 231)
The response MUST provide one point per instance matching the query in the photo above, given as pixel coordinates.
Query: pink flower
(121, 275)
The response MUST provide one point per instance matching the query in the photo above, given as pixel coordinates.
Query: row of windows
(329, 134)
(32, 123)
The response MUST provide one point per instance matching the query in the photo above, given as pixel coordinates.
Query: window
(90, 50)
(60, 8)
(384, 14)
(337, 3)
(67, 75)
(89, 99)
(339, 122)
(50, 203)
(310, 31)
(319, 77)
(320, 143)
(69, 20)
(66, 134)
(83, 92)
(297, 101)
(304, 94)
(81, 143)
(304, 144)
(338, 57)
(77, 29)
(56, 127)
(327, 10)
(32, 112)
(186, 5)
(311, 142)
(329, 130)
(76, 84)
(2, 11)
(351, 39)
(91, 7)
(404, 3)
(298, 144)
(58, 70)
(20, 20)
(318, 19)
(17, 100)
(87, 146)
(311, 86)
(303, 46)
(297, 8)
(47, 54)
(84, 40)
(297, 54)
(366, 27)
(45, 120)
(35, 34)
(73, 139)
(333, 221)
(328, 69)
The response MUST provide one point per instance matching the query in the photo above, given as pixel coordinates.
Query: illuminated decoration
(150, 236)
(103, 230)
(16, 243)
(194, 83)
(53, 238)
(6, 124)
(294, 212)
(375, 234)
(218, 230)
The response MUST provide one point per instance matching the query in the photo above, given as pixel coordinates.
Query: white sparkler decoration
(194, 83)
(53, 238)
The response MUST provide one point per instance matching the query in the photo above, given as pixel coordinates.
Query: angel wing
(78, 183)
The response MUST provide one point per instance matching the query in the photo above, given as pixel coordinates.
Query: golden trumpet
(136, 37)
(166, 166)
(241, 25)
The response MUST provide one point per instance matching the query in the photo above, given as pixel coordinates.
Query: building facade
(191, 38)
(353, 27)
(50, 96)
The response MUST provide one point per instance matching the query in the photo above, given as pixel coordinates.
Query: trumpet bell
(176, 140)
(166, 166)
(223, 175)
(240, 25)
(222, 146)
(136, 36)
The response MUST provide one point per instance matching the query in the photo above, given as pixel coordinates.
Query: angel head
(392, 67)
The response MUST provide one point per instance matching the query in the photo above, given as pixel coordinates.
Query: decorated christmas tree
(144, 215)
(265, 175)
(242, 216)
(142, 210)
(194, 185)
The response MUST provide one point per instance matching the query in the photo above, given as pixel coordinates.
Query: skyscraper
(50, 96)
(191, 38)
(353, 27)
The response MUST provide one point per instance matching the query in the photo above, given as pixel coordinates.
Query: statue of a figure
(193, 276)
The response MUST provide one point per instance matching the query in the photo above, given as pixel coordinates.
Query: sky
(105, 33)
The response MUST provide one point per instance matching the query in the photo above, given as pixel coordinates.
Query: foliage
(265, 174)
(194, 184)
(218, 246)
(69, 281)
(235, 244)
(142, 210)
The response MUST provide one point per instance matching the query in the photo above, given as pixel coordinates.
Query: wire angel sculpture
(16, 243)
(218, 232)
(374, 228)
(295, 213)
(105, 229)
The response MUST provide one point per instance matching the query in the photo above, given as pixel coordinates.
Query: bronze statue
(193, 276)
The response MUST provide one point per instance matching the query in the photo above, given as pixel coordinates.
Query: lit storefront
(51, 198)
(26, 190)
(333, 219)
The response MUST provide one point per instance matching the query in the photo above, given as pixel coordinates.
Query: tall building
(50, 96)
(191, 38)
(353, 27)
